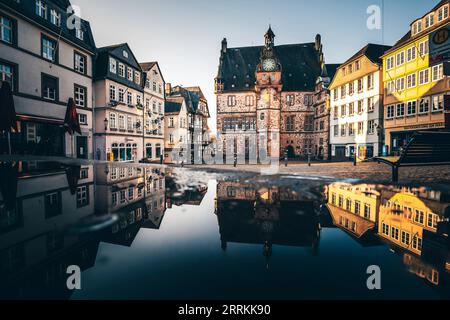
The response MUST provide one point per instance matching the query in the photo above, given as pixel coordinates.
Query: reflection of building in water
(179, 196)
(136, 194)
(268, 216)
(33, 247)
(354, 207)
(407, 215)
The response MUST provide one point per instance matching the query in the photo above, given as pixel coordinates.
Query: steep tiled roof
(299, 62)
(372, 51)
(332, 69)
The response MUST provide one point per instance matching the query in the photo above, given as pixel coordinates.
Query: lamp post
(106, 123)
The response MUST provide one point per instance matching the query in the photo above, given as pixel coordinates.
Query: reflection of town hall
(271, 90)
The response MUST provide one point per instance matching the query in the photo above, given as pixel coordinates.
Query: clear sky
(184, 36)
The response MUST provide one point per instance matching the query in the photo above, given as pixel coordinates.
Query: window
(390, 112)
(7, 73)
(385, 229)
(130, 74)
(336, 130)
(55, 18)
(343, 111)
(121, 70)
(406, 238)
(290, 100)
(424, 76)
(79, 63)
(53, 205)
(438, 72)
(114, 199)
(82, 119)
(367, 211)
(351, 109)
(121, 122)
(112, 93)
(360, 85)
(419, 217)
(357, 207)
(6, 29)
(290, 123)
(432, 221)
(249, 100)
(390, 87)
(48, 49)
(49, 87)
(231, 101)
(123, 196)
(417, 243)
(423, 48)
(137, 77)
(336, 112)
(351, 129)
(411, 80)
(400, 110)
(130, 193)
(129, 98)
(395, 233)
(401, 84)
(335, 94)
(154, 86)
(80, 96)
(371, 104)
(130, 124)
(360, 106)
(429, 21)
(424, 105)
(357, 65)
(113, 121)
(411, 54)
(343, 130)
(400, 58)
(390, 63)
(82, 196)
(371, 126)
(79, 33)
(360, 128)
(370, 81)
(41, 9)
(121, 95)
(351, 88)
(343, 92)
(443, 13)
(112, 65)
(412, 108)
(438, 103)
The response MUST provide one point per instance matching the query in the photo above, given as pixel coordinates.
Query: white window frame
(80, 96)
(411, 80)
(437, 73)
(400, 58)
(55, 17)
(121, 70)
(390, 111)
(112, 65)
(411, 54)
(424, 77)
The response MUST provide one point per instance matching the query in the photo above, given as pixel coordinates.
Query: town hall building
(266, 97)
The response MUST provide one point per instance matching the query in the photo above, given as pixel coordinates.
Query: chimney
(168, 89)
(224, 45)
(318, 43)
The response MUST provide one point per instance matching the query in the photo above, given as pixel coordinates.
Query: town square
(224, 151)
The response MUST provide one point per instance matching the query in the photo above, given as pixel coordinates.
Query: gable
(124, 54)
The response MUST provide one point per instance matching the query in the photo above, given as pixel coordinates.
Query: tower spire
(270, 37)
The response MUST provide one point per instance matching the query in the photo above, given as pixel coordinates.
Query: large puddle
(142, 232)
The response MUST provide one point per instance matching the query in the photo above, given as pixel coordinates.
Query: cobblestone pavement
(364, 171)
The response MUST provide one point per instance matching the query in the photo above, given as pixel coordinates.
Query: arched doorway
(290, 152)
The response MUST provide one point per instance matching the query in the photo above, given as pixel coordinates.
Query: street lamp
(106, 123)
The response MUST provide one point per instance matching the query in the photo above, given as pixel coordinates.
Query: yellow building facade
(415, 88)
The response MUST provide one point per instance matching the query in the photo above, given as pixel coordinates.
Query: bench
(424, 149)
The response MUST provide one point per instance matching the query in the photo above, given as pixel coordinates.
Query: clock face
(269, 65)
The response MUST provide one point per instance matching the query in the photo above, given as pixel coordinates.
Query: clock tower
(268, 90)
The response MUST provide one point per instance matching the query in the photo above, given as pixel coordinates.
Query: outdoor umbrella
(8, 184)
(7, 111)
(71, 123)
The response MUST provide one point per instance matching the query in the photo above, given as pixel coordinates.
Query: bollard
(354, 160)
(309, 160)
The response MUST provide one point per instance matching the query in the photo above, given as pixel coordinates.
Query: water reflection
(267, 216)
(54, 215)
(413, 221)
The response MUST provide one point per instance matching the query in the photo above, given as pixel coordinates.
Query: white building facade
(357, 106)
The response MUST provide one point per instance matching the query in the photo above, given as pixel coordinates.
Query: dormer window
(41, 9)
(443, 13)
(55, 18)
(429, 21)
(112, 65)
(79, 34)
(125, 54)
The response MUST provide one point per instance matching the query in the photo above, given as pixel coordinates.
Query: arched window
(129, 152)
(115, 151)
(149, 150)
(122, 156)
(158, 150)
